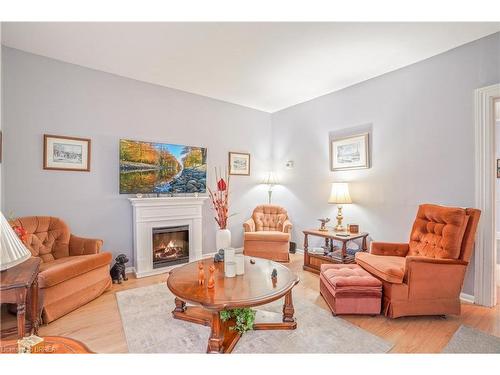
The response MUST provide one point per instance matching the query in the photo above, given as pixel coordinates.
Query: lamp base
(340, 228)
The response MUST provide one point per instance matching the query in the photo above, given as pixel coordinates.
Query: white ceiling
(267, 66)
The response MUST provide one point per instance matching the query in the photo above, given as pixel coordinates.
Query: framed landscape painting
(349, 153)
(239, 163)
(66, 153)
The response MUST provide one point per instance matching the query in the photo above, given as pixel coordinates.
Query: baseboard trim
(464, 297)
(130, 270)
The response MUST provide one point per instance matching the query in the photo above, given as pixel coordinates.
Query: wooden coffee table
(254, 288)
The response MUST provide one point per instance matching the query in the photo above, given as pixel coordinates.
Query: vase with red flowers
(220, 202)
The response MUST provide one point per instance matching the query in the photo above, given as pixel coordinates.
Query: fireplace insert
(170, 246)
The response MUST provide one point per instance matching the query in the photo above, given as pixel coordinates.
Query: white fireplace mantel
(149, 213)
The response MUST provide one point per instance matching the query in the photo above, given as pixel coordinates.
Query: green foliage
(243, 319)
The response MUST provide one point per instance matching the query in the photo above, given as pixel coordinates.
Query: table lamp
(12, 250)
(339, 195)
(270, 180)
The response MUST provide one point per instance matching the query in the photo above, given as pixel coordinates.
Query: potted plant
(244, 319)
(220, 202)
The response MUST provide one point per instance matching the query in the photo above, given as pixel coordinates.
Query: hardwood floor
(98, 323)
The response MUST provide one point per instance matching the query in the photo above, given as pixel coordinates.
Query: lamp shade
(340, 193)
(271, 179)
(12, 250)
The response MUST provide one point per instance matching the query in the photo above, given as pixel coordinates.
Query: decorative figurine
(117, 272)
(274, 274)
(201, 274)
(219, 256)
(211, 280)
(252, 261)
(323, 222)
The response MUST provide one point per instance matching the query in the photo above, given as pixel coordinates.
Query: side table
(16, 284)
(313, 261)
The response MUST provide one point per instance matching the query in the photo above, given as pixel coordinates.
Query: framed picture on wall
(66, 153)
(239, 163)
(350, 152)
(498, 168)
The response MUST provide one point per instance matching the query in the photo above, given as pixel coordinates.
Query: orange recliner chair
(267, 233)
(73, 271)
(425, 276)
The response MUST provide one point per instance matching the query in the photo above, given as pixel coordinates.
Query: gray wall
(423, 143)
(42, 95)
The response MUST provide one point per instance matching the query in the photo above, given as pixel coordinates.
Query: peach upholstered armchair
(73, 270)
(267, 233)
(425, 276)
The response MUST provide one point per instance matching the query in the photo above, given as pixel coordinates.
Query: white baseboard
(130, 270)
(464, 297)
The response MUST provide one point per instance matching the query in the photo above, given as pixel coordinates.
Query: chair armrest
(429, 278)
(287, 226)
(249, 225)
(391, 249)
(84, 246)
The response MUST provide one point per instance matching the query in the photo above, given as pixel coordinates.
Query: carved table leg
(180, 305)
(35, 310)
(344, 250)
(21, 313)
(288, 309)
(216, 337)
(363, 245)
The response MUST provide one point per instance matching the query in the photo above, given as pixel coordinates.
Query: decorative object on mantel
(13, 251)
(117, 272)
(350, 152)
(323, 222)
(201, 274)
(239, 163)
(220, 202)
(339, 195)
(211, 279)
(271, 180)
(152, 167)
(66, 153)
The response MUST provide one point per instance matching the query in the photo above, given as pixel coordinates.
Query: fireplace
(170, 246)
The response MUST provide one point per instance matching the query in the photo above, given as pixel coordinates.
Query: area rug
(150, 328)
(470, 340)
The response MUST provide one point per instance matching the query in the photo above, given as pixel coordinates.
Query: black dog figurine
(118, 270)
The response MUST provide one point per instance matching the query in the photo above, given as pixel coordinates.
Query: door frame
(485, 179)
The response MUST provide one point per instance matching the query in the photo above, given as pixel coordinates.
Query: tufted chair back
(48, 237)
(269, 217)
(443, 232)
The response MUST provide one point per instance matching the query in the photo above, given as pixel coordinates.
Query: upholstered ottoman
(349, 289)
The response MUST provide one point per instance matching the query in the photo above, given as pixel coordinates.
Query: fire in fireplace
(170, 246)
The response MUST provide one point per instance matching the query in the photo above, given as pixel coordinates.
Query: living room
(249, 187)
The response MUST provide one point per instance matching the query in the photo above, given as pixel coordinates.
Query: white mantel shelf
(149, 213)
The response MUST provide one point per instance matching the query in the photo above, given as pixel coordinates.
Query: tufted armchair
(425, 276)
(267, 233)
(73, 271)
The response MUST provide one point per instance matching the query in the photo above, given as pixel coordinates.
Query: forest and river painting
(148, 167)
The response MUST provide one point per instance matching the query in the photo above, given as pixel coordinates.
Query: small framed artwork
(498, 168)
(350, 153)
(239, 163)
(66, 153)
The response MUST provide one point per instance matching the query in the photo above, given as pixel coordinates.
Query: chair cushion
(62, 269)
(388, 268)
(438, 231)
(273, 236)
(349, 277)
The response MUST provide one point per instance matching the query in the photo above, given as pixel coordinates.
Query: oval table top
(254, 288)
